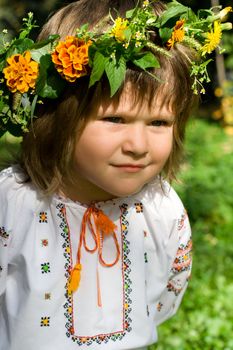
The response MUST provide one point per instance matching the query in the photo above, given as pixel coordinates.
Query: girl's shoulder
(160, 197)
(12, 183)
(16, 195)
(8, 184)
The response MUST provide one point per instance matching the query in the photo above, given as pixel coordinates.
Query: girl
(95, 246)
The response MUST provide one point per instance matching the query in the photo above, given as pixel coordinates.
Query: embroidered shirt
(39, 239)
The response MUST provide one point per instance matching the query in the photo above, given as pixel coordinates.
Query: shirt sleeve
(12, 202)
(5, 234)
(3, 258)
(179, 272)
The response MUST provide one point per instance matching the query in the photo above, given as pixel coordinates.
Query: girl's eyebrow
(160, 114)
(165, 116)
(168, 115)
(157, 116)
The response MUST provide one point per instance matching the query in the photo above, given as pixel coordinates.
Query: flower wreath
(31, 71)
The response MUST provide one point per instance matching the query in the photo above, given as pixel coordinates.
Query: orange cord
(104, 226)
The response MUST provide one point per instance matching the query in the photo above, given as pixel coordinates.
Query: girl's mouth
(131, 168)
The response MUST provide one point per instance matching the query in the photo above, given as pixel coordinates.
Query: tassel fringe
(75, 277)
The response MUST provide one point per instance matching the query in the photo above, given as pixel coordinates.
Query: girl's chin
(125, 192)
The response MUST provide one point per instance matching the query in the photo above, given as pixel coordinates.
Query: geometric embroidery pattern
(43, 217)
(45, 267)
(175, 287)
(127, 269)
(45, 321)
(68, 306)
(3, 233)
(181, 221)
(159, 306)
(138, 207)
(4, 236)
(47, 296)
(44, 242)
(183, 258)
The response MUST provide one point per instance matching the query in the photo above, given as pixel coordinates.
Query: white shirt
(39, 238)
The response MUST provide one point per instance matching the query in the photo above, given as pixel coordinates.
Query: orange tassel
(103, 223)
(74, 279)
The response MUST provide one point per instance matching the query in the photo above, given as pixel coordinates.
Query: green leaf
(2, 130)
(40, 44)
(33, 105)
(14, 129)
(148, 60)
(19, 46)
(82, 31)
(165, 34)
(24, 34)
(115, 70)
(130, 13)
(98, 68)
(2, 64)
(2, 50)
(49, 84)
(22, 45)
(2, 105)
(175, 10)
(127, 34)
(151, 20)
(52, 87)
(38, 53)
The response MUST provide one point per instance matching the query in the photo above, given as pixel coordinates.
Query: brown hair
(47, 149)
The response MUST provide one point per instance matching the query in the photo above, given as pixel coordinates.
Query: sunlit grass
(205, 319)
(9, 146)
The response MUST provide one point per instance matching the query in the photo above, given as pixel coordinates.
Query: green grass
(9, 147)
(205, 318)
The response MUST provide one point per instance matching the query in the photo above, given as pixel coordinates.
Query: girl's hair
(48, 148)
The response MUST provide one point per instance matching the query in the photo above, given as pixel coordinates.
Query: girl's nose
(135, 140)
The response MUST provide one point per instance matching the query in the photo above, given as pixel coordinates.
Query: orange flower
(177, 34)
(71, 58)
(21, 72)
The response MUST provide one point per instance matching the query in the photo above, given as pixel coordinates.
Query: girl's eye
(159, 123)
(116, 120)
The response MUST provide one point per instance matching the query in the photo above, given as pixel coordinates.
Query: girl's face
(122, 148)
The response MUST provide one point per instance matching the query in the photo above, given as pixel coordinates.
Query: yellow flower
(229, 130)
(71, 58)
(145, 3)
(217, 114)
(177, 34)
(118, 31)
(218, 92)
(213, 39)
(21, 72)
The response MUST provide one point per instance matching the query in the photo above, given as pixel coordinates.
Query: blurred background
(205, 320)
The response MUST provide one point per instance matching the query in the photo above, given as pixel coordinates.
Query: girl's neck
(80, 193)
